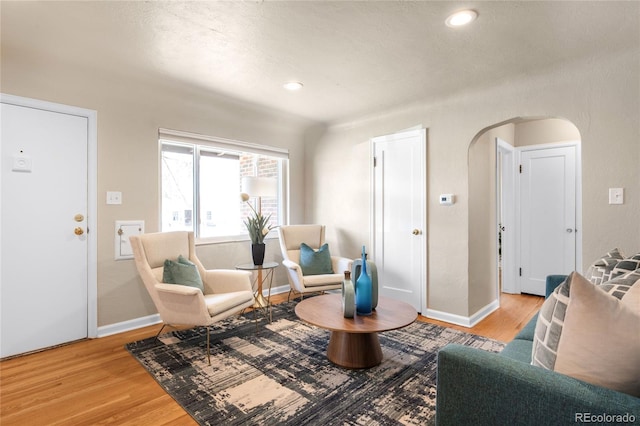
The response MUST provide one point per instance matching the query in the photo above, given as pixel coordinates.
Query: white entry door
(44, 286)
(547, 216)
(399, 234)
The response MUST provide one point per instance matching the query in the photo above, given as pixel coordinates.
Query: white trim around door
(575, 219)
(399, 216)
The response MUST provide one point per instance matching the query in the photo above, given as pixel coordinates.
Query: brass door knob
(78, 231)
(416, 232)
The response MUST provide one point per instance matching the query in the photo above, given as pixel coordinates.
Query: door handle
(416, 232)
(569, 230)
(78, 231)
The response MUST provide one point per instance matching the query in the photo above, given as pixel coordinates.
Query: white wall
(552, 130)
(482, 215)
(598, 95)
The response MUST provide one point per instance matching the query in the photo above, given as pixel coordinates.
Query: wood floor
(97, 381)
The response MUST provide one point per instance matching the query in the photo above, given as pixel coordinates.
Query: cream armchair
(226, 292)
(291, 237)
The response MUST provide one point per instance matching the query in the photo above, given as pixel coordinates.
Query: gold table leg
(260, 301)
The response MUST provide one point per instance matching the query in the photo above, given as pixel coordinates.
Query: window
(201, 182)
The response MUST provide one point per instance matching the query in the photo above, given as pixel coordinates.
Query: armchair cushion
(322, 280)
(219, 303)
(182, 272)
(315, 262)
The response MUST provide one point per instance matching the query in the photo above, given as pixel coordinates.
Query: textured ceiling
(354, 58)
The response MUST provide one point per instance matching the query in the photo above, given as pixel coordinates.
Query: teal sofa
(475, 387)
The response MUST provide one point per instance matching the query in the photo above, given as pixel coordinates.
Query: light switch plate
(114, 197)
(447, 199)
(616, 195)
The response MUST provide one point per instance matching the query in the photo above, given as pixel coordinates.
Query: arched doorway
(493, 199)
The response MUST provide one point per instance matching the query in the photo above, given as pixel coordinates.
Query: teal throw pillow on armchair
(183, 272)
(315, 262)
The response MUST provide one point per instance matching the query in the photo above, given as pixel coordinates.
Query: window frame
(200, 143)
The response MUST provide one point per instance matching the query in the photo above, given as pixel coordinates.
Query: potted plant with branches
(258, 227)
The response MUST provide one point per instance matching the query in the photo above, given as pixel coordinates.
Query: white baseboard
(277, 290)
(462, 320)
(133, 324)
(484, 312)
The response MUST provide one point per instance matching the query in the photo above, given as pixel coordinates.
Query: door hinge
(375, 161)
(520, 271)
(520, 168)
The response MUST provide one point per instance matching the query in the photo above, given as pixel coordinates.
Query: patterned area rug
(280, 374)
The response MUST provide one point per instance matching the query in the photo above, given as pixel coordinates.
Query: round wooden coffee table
(354, 341)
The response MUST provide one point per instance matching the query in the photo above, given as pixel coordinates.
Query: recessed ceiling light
(293, 85)
(461, 18)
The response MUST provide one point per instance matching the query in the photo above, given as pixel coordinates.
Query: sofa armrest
(484, 388)
(552, 282)
(182, 290)
(226, 281)
(340, 264)
(181, 305)
(294, 274)
(291, 265)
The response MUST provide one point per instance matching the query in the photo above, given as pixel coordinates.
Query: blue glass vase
(363, 289)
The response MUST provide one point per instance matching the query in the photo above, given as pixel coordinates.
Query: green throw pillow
(183, 272)
(315, 262)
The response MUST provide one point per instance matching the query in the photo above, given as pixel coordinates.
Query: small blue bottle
(363, 289)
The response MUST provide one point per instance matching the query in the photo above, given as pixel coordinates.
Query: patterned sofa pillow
(580, 326)
(549, 326)
(551, 317)
(600, 270)
(599, 342)
(619, 286)
(625, 266)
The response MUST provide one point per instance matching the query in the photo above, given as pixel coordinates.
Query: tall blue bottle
(363, 289)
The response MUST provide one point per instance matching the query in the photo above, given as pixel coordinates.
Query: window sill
(228, 239)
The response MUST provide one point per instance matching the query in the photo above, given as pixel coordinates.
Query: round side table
(260, 301)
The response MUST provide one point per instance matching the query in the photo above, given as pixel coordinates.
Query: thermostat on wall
(446, 199)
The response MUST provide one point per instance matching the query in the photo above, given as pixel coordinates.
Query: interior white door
(43, 226)
(399, 234)
(547, 216)
(506, 214)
